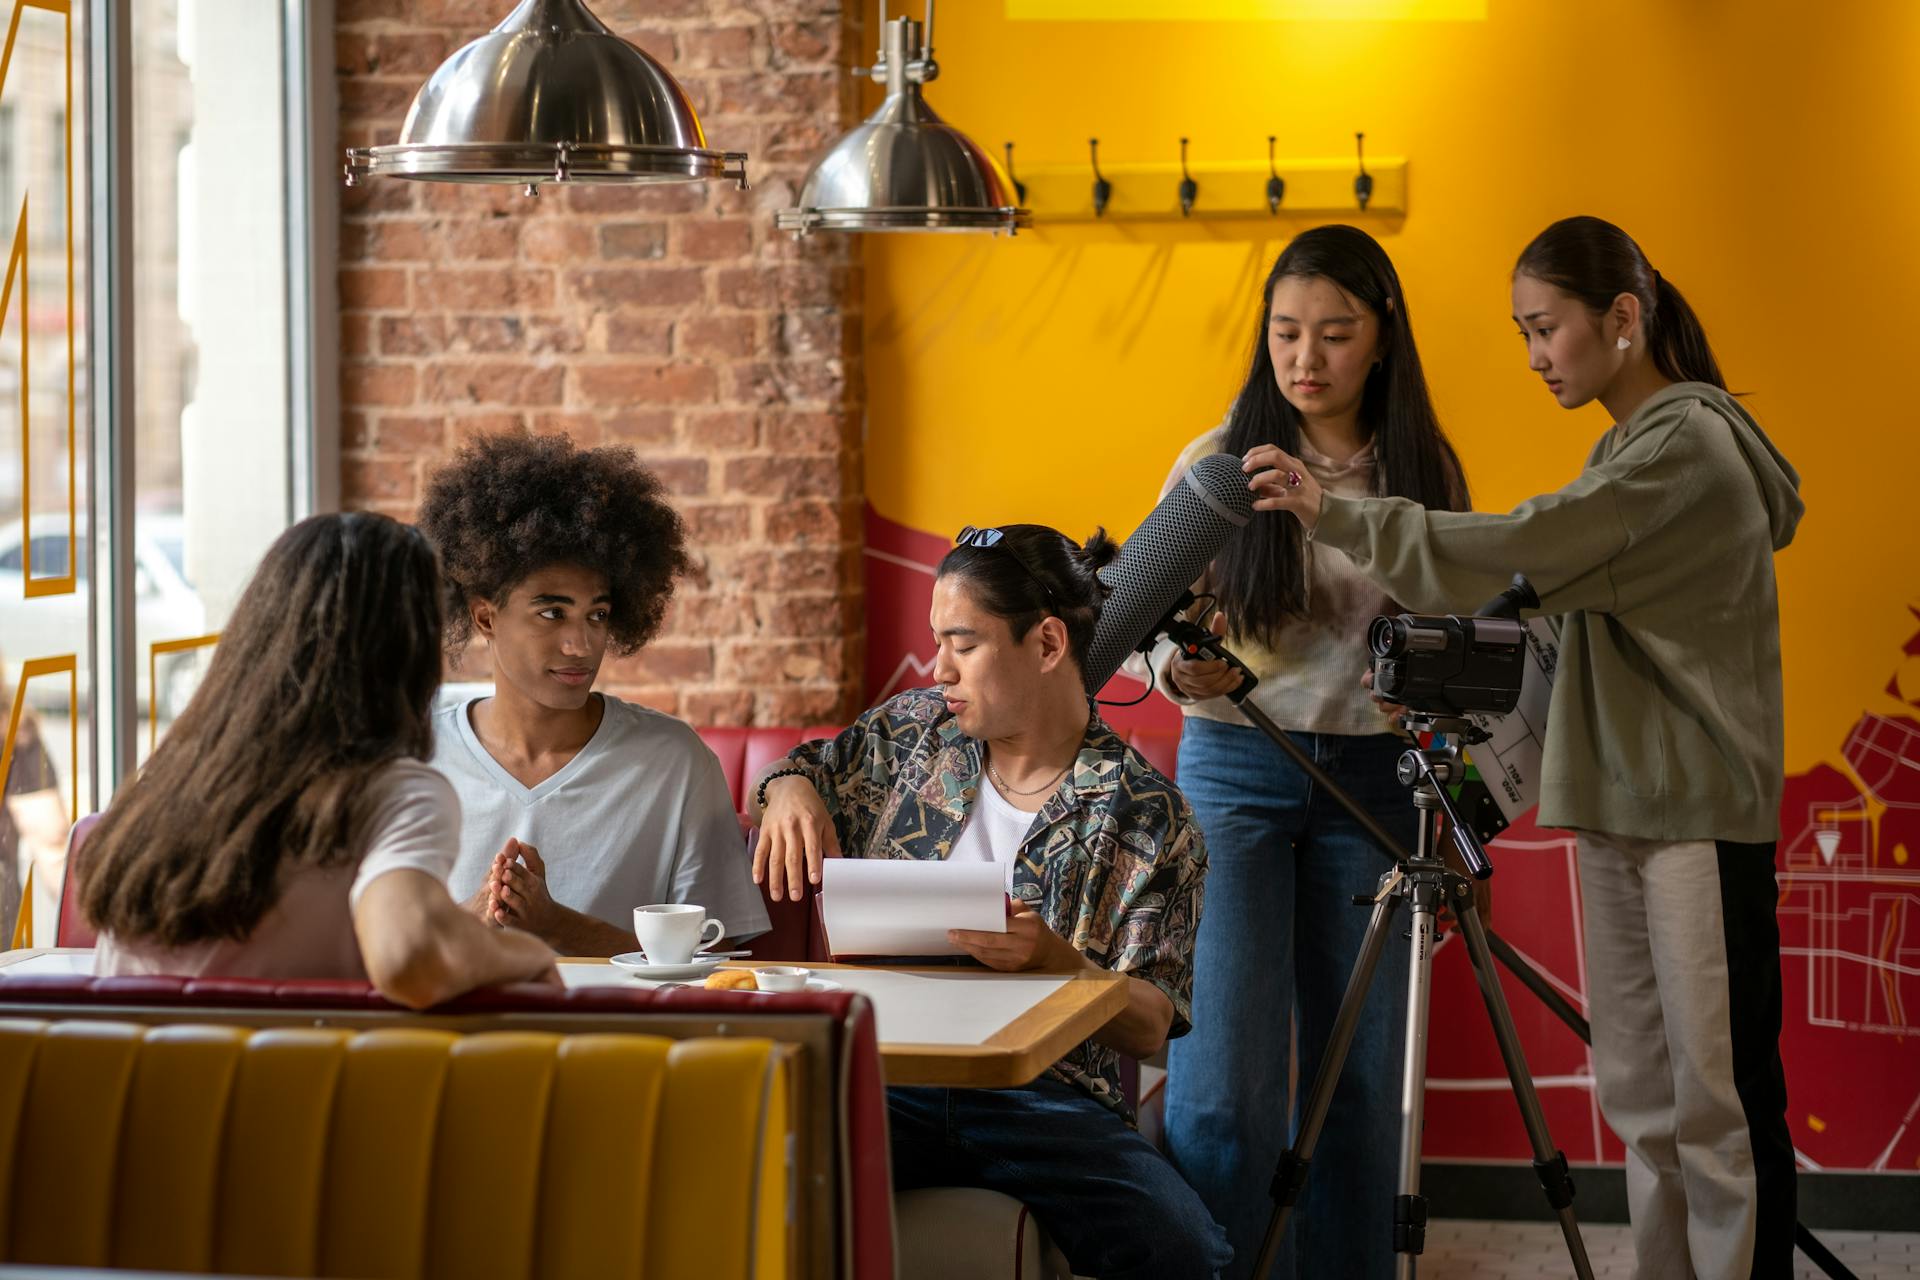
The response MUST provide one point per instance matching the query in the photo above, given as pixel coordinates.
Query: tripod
(1423, 883)
(1197, 641)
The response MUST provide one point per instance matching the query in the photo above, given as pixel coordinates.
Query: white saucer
(636, 963)
(813, 984)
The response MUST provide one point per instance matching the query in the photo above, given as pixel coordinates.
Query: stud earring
(1623, 342)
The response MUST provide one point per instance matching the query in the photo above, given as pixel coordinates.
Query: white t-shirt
(641, 815)
(993, 832)
(412, 822)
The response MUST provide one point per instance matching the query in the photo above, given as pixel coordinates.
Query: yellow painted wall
(1766, 155)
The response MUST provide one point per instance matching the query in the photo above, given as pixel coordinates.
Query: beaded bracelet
(760, 793)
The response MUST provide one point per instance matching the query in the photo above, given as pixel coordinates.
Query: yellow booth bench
(526, 1136)
(402, 1153)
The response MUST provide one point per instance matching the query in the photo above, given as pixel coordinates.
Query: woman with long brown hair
(1334, 376)
(288, 825)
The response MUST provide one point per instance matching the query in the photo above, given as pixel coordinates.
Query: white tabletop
(963, 1007)
(69, 963)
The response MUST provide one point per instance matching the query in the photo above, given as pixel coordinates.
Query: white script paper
(904, 907)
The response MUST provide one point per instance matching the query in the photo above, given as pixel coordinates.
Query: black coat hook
(1362, 184)
(1019, 187)
(1102, 189)
(1189, 189)
(1276, 185)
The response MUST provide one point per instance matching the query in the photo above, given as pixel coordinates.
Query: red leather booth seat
(73, 929)
(862, 1231)
(743, 753)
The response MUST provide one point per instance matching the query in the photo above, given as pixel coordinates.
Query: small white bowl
(782, 977)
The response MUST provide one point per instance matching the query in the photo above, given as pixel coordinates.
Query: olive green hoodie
(1665, 722)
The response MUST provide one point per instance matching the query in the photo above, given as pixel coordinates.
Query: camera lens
(1387, 637)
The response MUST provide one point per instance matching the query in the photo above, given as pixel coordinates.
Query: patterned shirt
(1113, 863)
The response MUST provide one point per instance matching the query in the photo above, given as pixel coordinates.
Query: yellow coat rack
(1151, 192)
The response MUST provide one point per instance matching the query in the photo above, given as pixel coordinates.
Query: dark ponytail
(1035, 572)
(1097, 554)
(1680, 347)
(1595, 261)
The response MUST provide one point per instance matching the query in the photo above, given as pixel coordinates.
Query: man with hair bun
(1006, 761)
(577, 807)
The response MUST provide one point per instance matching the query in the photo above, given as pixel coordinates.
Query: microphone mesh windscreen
(1165, 556)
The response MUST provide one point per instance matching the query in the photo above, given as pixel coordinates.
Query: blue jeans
(1113, 1204)
(1278, 937)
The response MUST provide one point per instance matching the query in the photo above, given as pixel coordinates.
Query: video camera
(1452, 666)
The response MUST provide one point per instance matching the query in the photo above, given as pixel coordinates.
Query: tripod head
(1430, 771)
(1459, 731)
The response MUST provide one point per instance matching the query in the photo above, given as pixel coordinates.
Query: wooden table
(962, 1027)
(951, 1026)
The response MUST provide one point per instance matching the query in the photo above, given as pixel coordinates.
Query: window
(9, 188)
(55, 174)
(45, 637)
(186, 458)
(213, 485)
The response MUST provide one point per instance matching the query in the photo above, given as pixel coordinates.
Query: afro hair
(511, 504)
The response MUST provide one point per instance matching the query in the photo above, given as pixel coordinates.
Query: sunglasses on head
(974, 536)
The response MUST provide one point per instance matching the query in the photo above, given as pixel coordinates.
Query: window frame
(311, 204)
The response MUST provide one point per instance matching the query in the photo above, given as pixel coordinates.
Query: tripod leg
(1291, 1172)
(1410, 1207)
(1548, 1162)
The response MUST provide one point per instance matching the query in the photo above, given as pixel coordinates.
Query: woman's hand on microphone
(1281, 482)
(1203, 678)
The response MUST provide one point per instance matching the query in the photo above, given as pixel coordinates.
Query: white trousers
(1683, 970)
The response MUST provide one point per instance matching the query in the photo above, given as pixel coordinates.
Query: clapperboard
(1503, 773)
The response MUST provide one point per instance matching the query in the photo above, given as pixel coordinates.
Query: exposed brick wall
(672, 318)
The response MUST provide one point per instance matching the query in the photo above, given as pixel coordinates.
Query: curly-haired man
(576, 806)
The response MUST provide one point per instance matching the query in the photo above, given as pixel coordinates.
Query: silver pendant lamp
(905, 169)
(549, 95)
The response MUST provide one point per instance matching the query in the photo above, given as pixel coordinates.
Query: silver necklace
(1048, 786)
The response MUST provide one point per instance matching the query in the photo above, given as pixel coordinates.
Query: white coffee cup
(671, 932)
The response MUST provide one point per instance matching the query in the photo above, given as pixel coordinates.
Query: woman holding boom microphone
(1664, 739)
(1335, 378)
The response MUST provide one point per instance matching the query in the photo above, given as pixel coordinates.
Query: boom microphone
(1164, 558)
